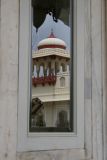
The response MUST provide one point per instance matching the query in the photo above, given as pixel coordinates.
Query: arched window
(39, 121)
(63, 69)
(62, 120)
(62, 82)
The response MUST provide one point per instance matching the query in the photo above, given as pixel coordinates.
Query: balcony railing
(51, 80)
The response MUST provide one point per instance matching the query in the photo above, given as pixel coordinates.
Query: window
(54, 121)
(62, 81)
(51, 34)
(62, 120)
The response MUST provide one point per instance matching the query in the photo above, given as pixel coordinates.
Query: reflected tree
(58, 9)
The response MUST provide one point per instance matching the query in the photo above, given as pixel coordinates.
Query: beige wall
(95, 84)
(8, 78)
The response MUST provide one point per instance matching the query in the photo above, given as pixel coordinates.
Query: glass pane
(51, 109)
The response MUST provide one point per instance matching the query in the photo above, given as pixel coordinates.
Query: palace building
(51, 81)
(37, 87)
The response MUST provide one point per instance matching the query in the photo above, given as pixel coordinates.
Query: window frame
(48, 141)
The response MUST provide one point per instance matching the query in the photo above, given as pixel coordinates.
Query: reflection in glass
(62, 119)
(62, 81)
(51, 56)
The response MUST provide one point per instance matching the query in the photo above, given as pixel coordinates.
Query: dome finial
(51, 30)
(52, 34)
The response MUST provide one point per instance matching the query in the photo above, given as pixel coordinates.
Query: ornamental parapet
(51, 80)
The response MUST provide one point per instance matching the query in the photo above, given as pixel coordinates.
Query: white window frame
(48, 141)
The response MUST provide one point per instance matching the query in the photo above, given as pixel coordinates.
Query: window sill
(75, 154)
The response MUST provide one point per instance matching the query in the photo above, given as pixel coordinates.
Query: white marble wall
(97, 122)
(8, 78)
(88, 79)
(95, 85)
(104, 69)
(53, 155)
(95, 65)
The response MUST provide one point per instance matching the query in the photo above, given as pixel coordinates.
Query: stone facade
(95, 85)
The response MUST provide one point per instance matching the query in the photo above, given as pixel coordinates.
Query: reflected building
(51, 83)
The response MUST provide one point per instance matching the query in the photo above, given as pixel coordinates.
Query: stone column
(37, 69)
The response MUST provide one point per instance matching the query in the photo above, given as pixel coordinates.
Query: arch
(62, 119)
(63, 67)
(40, 122)
(62, 81)
(49, 67)
(41, 69)
(57, 68)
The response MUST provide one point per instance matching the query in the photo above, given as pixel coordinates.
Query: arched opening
(63, 68)
(62, 81)
(40, 122)
(62, 120)
(41, 70)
